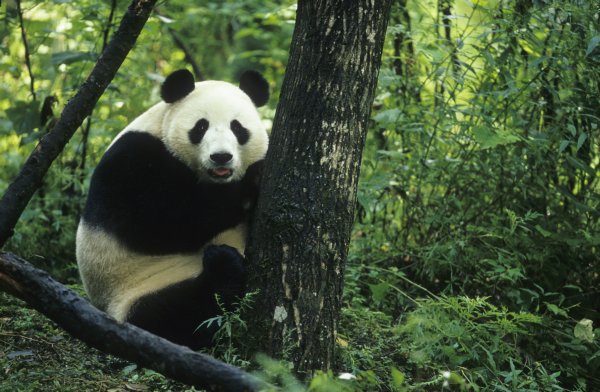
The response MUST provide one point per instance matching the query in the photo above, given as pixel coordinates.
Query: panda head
(213, 126)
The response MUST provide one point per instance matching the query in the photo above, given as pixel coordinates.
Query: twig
(113, 6)
(88, 125)
(82, 320)
(26, 45)
(189, 57)
(20, 336)
(77, 109)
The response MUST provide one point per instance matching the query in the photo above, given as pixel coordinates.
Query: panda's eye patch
(197, 133)
(239, 131)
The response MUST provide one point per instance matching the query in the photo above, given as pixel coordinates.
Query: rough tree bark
(299, 240)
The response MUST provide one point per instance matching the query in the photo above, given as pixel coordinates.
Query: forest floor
(37, 355)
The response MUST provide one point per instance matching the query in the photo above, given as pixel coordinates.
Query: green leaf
(556, 310)
(582, 138)
(455, 378)
(397, 378)
(584, 330)
(542, 231)
(392, 154)
(389, 116)
(592, 45)
(379, 291)
(487, 138)
(578, 164)
(70, 57)
(128, 369)
(573, 287)
(24, 116)
(563, 145)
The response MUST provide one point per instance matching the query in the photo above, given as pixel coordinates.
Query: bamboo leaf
(584, 330)
(397, 378)
(70, 57)
(563, 145)
(582, 138)
(379, 291)
(487, 138)
(592, 45)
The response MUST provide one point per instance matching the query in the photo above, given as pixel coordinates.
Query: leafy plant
(230, 338)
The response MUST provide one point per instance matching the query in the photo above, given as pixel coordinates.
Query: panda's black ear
(177, 85)
(257, 88)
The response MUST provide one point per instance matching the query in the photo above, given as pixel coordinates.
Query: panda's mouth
(220, 172)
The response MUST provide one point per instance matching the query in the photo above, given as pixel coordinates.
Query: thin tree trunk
(299, 240)
(445, 6)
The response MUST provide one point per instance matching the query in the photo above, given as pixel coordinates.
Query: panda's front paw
(250, 184)
(254, 173)
(223, 260)
(225, 271)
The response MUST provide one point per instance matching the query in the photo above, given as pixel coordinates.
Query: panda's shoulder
(138, 148)
(134, 143)
(139, 158)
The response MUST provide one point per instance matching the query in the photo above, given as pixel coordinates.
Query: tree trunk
(299, 240)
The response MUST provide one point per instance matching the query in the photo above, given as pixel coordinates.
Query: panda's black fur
(147, 202)
(174, 212)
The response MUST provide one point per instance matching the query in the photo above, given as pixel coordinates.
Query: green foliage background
(474, 261)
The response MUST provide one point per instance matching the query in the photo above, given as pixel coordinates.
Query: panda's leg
(174, 312)
(177, 311)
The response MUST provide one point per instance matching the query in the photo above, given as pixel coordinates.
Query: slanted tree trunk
(97, 329)
(29, 179)
(299, 240)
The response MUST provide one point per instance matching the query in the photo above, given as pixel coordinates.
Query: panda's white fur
(219, 102)
(116, 276)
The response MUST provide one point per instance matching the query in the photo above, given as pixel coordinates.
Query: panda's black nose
(221, 158)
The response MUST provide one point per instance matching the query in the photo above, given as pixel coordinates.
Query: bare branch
(82, 320)
(189, 57)
(113, 6)
(77, 109)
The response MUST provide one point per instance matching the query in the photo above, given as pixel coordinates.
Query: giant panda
(164, 226)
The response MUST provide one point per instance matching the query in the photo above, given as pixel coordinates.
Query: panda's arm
(153, 202)
(251, 182)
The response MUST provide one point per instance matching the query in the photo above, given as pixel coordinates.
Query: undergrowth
(36, 355)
